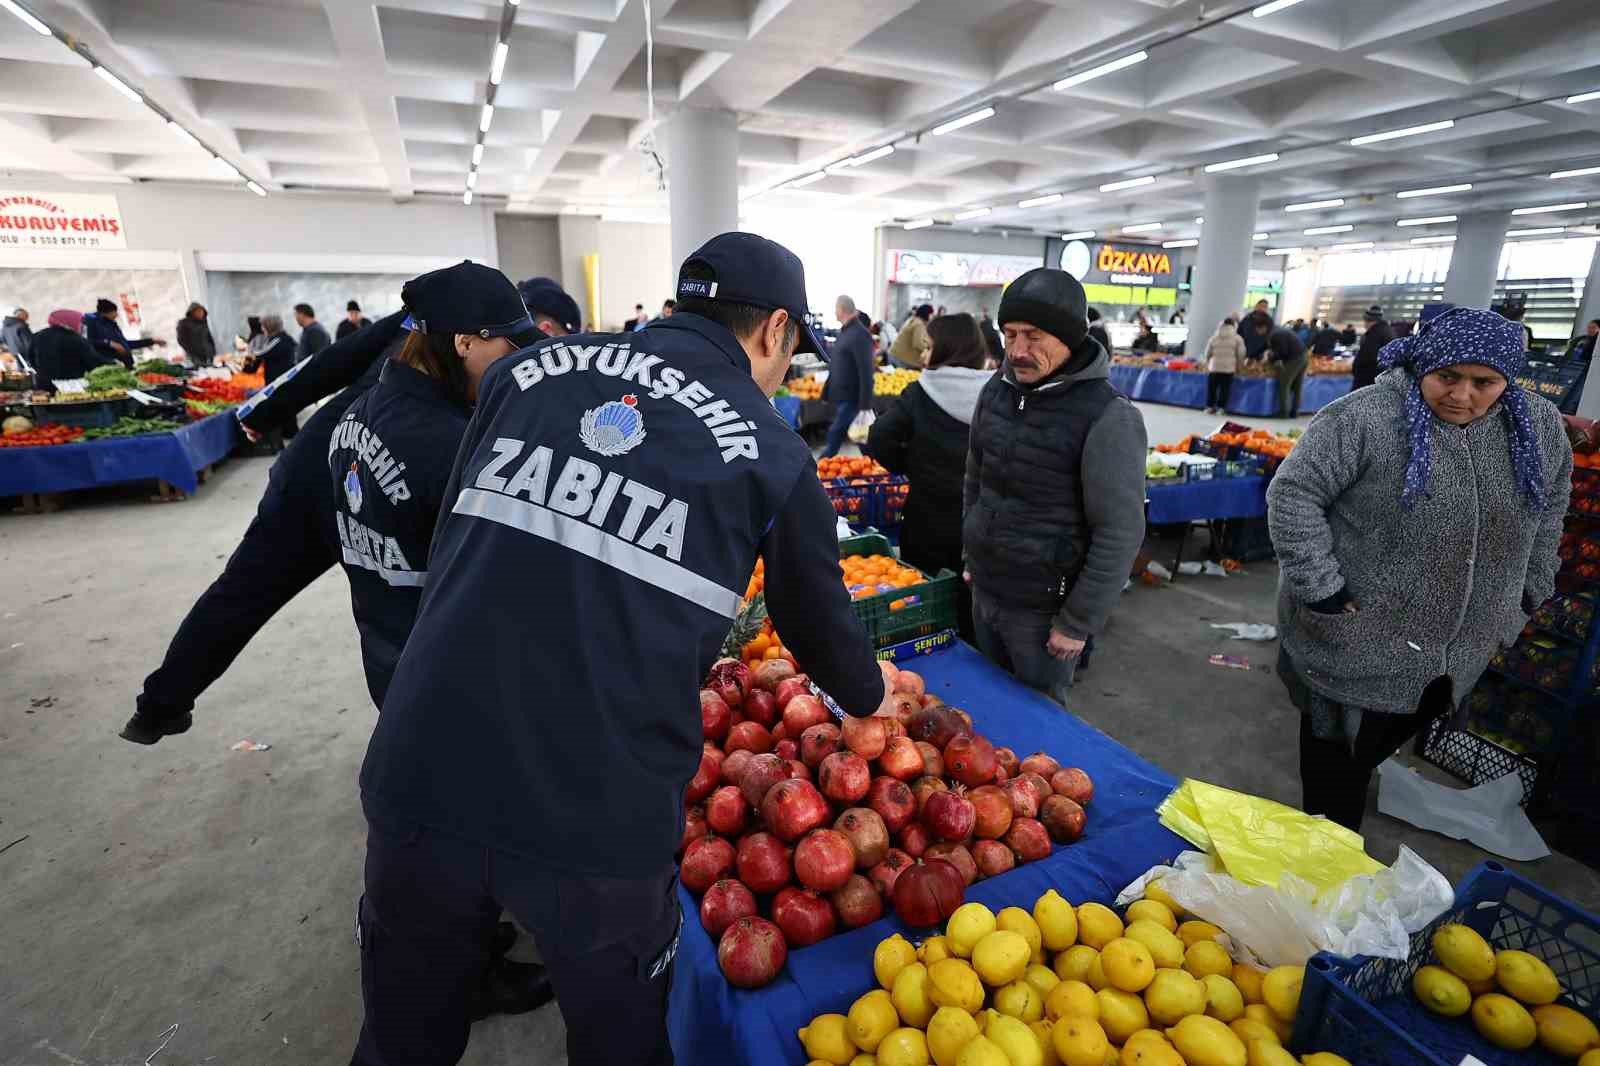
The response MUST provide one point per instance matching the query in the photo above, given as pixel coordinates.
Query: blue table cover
(1199, 501)
(789, 408)
(1249, 396)
(710, 1021)
(172, 457)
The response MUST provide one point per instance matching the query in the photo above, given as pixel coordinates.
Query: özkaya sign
(1115, 260)
(60, 220)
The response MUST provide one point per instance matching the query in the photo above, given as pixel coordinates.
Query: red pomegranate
(763, 863)
(759, 706)
(865, 736)
(927, 893)
(723, 904)
(803, 712)
(844, 777)
(903, 706)
(790, 687)
(716, 717)
(893, 727)
(914, 839)
(768, 675)
(705, 778)
(734, 766)
(932, 759)
(1041, 764)
(1000, 775)
(749, 736)
(949, 814)
(1024, 803)
(727, 811)
(694, 827)
(868, 836)
(1007, 759)
(818, 742)
(857, 903)
(824, 860)
(792, 808)
(964, 718)
(937, 725)
(1063, 819)
(751, 952)
(780, 733)
(729, 678)
(1074, 784)
(785, 748)
(1028, 840)
(889, 671)
(901, 759)
(931, 700)
(705, 862)
(799, 769)
(804, 916)
(992, 857)
(910, 683)
(956, 855)
(991, 811)
(923, 787)
(893, 801)
(762, 773)
(886, 872)
(970, 760)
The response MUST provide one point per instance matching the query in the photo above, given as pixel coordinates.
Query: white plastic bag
(862, 426)
(1490, 815)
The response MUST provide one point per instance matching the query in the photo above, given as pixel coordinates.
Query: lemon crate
(1363, 1008)
(933, 611)
(869, 499)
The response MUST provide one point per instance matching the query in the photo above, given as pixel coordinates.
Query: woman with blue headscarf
(1416, 526)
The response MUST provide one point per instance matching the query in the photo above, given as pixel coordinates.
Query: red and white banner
(60, 220)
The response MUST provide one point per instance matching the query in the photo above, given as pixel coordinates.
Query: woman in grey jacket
(1416, 526)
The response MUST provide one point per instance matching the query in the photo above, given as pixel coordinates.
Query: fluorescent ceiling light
(1247, 161)
(1039, 201)
(1200, 220)
(225, 168)
(1443, 239)
(1078, 235)
(118, 84)
(487, 117)
(497, 68)
(867, 157)
(1130, 183)
(1143, 227)
(1579, 206)
(1316, 205)
(1282, 251)
(1408, 131)
(1317, 231)
(182, 134)
(918, 223)
(840, 167)
(466, 198)
(34, 24)
(1431, 220)
(976, 212)
(1543, 231)
(968, 119)
(1179, 244)
(1437, 190)
(1260, 236)
(1101, 71)
(253, 187)
(1276, 5)
(1581, 172)
(1356, 247)
(477, 153)
(808, 179)
(1580, 98)
(472, 179)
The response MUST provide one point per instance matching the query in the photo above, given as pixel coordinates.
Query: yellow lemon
(1441, 991)
(1248, 978)
(1013, 1037)
(864, 1059)
(871, 1018)
(953, 983)
(1204, 1041)
(949, 1030)
(1127, 964)
(1021, 922)
(1121, 1013)
(1525, 977)
(1096, 977)
(1324, 1058)
(1249, 1030)
(1174, 994)
(1073, 963)
(1019, 999)
(1057, 921)
(1280, 989)
(1503, 1021)
(1001, 957)
(1260, 1012)
(1563, 1031)
(1152, 1051)
(1079, 1042)
(970, 923)
(1463, 952)
(981, 1051)
(1098, 925)
(1223, 1000)
(1071, 998)
(1268, 1053)
(892, 955)
(1206, 957)
(1589, 1058)
(933, 949)
(1155, 891)
(1042, 978)
(910, 995)
(1192, 931)
(903, 1047)
(1044, 1032)
(1165, 948)
(1478, 988)
(1152, 911)
(827, 1039)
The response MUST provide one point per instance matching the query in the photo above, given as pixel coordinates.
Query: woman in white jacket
(1223, 352)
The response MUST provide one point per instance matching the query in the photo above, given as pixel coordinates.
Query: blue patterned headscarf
(1466, 335)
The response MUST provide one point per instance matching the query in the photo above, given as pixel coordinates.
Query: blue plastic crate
(1200, 471)
(876, 500)
(1363, 1008)
(1219, 452)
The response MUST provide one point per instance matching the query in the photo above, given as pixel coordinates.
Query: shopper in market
(1581, 350)
(1223, 352)
(911, 343)
(850, 373)
(1098, 331)
(272, 353)
(924, 436)
(1325, 339)
(60, 353)
(194, 336)
(610, 498)
(16, 334)
(1348, 336)
(313, 334)
(1287, 355)
(1254, 343)
(1053, 496)
(352, 321)
(1416, 524)
(1146, 341)
(1364, 371)
(106, 336)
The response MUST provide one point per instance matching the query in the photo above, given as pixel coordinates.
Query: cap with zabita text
(748, 269)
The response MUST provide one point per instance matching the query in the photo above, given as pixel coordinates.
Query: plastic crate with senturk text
(869, 499)
(1364, 1009)
(924, 609)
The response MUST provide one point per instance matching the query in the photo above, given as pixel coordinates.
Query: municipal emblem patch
(614, 427)
(352, 488)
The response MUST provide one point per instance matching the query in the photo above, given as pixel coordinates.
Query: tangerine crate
(1363, 1008)
(925, 608)
(876, 500)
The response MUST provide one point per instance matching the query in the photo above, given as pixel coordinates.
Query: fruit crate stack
(904, 615)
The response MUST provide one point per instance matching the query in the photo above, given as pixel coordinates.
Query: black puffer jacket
(1365, 369)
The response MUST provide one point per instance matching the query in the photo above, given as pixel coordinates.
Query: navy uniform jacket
(604, 516)
(390, 459)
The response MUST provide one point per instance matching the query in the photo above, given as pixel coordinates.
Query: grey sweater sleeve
(1113, 502)
(1325, 463)
(971, 481)
(1544, 560)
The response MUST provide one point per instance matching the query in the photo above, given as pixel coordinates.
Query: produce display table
(710, 1021)
(172, 457)
(1203, 501)
(1249, 396)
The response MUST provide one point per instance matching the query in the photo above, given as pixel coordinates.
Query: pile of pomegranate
(798, 826)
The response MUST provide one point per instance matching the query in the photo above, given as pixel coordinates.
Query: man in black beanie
(1053, 509)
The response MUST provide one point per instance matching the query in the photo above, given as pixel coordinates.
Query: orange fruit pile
(765, 646)
(865, 574)
(848, 466)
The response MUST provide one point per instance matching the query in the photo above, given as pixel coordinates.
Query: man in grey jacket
(313, 334)
(1053, 501)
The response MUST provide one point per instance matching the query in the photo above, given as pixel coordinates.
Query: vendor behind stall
(61, 354)
(106, 336)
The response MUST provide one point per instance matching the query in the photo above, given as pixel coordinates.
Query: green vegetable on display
(133, 427)
(154, 366)
(111, 377)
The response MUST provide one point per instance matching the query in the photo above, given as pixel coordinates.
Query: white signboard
(958, 269)
(60, 220)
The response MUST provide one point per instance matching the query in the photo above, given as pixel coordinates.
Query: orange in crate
(836, 466)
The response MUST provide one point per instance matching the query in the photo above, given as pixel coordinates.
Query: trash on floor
(1232, 662)
(1208, 568)
(1248, 630)
(250, 745)
(1489, 815)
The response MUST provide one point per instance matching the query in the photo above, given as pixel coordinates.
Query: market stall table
(710, 1021)
(1249, 396)
(1211, 500)
(173, 456)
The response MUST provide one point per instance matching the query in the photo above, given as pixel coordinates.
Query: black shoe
(512, 988)
(145, 728)
(505, 938)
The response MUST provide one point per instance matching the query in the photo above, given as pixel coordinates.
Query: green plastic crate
(935, 611)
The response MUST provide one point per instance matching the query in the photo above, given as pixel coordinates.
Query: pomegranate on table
(751, 952)
(927, 893)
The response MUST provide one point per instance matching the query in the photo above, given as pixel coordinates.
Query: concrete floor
(188, 884)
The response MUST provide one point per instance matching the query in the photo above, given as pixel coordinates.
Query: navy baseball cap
(543, 296)
(748, 269)
(468, 298)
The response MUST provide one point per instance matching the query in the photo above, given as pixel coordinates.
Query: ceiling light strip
(1319, 231)
(1143, 227)
(1129, 183)
(1551, 208)
(1430, 220)
(1581, 172)
(1101, 71)
(976, 212)
(918, 223)
(1039, 201)
(1316, 205)
(969, 119)
(1405, 131)
(1264, 10)
(26, 16)
(1188, 243)
(1437, 190)
(1078, 235)
(1246, 161)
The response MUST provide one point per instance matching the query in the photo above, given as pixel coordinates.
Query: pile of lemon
(1065, 986)
(1466, 981)
(893, 382)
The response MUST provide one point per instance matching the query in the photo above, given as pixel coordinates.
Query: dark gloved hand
(1334, 604)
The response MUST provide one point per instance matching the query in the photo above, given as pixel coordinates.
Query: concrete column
(1589, 306)
(1222, 267)
(1475, 259)
(702, 178)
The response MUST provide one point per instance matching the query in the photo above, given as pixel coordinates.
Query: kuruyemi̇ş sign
(60, 220)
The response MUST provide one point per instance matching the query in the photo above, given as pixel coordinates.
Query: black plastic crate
(1247, 540)
(1474, 759)
(93, 414)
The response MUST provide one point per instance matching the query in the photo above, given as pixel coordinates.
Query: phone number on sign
(50, 242)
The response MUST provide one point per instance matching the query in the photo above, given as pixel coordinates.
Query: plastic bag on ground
(1249, 630)
(1490, 815)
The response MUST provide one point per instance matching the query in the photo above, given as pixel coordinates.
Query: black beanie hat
(1052, 300)
(102, 305)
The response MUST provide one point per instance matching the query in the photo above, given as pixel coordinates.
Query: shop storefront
(956, 281)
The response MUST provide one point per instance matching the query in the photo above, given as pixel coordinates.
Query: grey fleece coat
(1438, 588)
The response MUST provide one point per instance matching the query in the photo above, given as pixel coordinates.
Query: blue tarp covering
(172, 457)
(1199, 501)
(1249, 396)
(789, 408)
(712, 1022)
